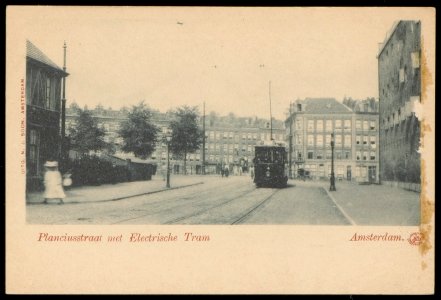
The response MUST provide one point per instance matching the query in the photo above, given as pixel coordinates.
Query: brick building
(43, 113)
(399, 74)
(310, 125)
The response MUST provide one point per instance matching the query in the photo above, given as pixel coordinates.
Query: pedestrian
(67, 179)
(226, 170)
(53, 183)
(222, 172)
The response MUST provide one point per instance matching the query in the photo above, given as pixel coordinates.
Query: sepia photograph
(315, 118)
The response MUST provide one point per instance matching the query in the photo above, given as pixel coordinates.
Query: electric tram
(270, 166)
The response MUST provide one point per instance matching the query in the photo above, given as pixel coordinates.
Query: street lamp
(168, 139)
(332, 187)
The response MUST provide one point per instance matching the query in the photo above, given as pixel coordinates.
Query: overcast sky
(225, 57)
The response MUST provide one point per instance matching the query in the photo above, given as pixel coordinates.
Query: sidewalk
(112, 192)
(376, 204)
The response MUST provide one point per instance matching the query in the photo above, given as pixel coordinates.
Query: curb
(125, 197)
(352, 222)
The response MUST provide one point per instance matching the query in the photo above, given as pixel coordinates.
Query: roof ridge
(35, 53)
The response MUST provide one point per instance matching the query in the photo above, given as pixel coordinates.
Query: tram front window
(270, 156)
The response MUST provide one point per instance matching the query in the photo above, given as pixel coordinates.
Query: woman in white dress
(53, 183)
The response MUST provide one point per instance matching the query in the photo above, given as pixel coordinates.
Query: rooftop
(36, 54)
(324, 106)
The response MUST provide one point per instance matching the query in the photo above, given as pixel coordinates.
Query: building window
(372, 155)
(347, 155)
(328, 154)
(358, 124)
(372, 125)
(415, 56)
(249, 148)
(358, 154)
(337, 124)
(348, 141)
(319, 125)
(347, 125)
(48, 93)
(373, 142)
(365, 155)
(365, 140)
(310, 140)
(34, 141)
(249, 135)
(328, 125)
(319, 141)
(310, 125)
(211, 134)
(402, 76)
(298, 124)
(328, 140)
(338, 154)
(338, 139)
(365, 125)
(319, 154)
(310, 154)
(225, 135)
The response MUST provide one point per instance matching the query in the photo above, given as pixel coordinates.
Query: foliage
(186, 134)
(138, 132)
(90, 170)
(86, 135)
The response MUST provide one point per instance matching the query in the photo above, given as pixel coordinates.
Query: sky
(224, 57)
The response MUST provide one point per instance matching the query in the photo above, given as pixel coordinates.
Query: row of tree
(139, 133)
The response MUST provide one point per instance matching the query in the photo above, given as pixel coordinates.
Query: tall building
(309, 128)
(399, 74)
(43, 113)
(228, 140)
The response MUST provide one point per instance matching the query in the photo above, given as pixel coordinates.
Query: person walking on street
(226, 170)
(53, 183)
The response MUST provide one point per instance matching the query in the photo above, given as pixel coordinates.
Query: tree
(138, 132)
(86, 135)
(186, 134)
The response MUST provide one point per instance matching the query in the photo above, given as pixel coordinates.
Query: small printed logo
(415, 239)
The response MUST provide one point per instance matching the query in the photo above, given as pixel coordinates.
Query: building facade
(226, 142)
(43, 113)
(399, 74)
(308, 134)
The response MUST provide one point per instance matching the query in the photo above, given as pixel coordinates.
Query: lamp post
(332, 187)
(168, 139)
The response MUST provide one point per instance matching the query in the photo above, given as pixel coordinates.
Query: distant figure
(67, 179)
(226, 170)
(53, 182)
(222, 171)
(252, 172)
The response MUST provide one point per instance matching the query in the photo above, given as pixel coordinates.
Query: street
(236, 200)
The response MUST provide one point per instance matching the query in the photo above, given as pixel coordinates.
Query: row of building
(225, 143)
(372, 144)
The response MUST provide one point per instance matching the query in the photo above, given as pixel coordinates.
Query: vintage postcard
(220, 150)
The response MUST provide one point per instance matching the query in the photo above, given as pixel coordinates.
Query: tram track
(237, 219)
(173, 221)
(254, 209)
(184, 202)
